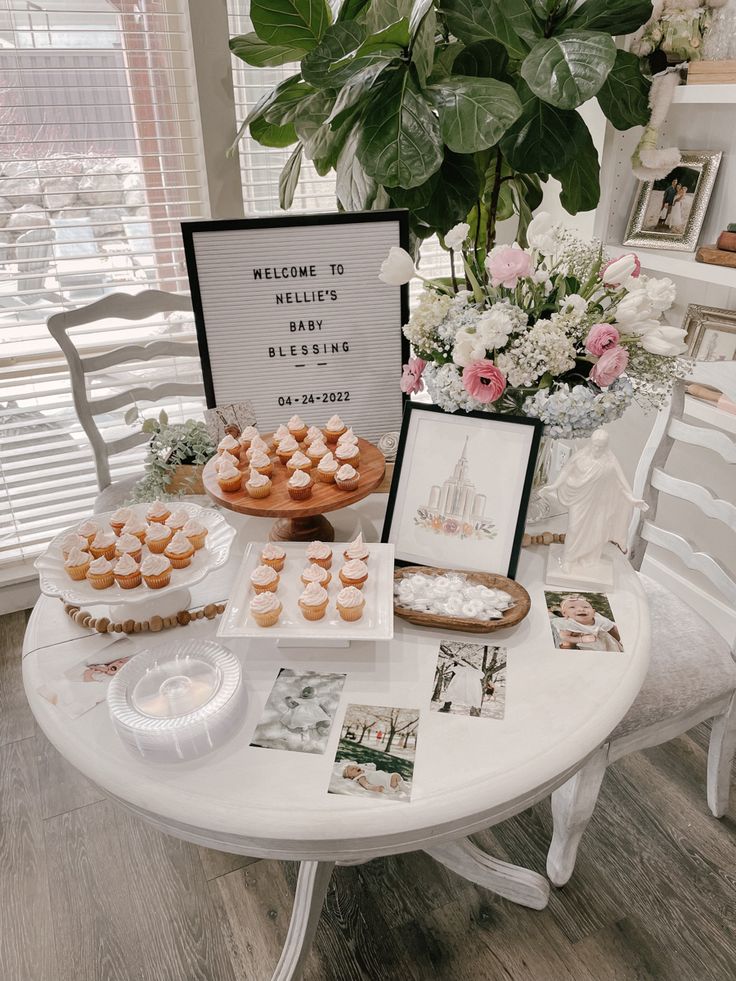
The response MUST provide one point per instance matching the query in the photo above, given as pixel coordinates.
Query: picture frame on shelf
(711, 333)
(461, 488)
(669, 213)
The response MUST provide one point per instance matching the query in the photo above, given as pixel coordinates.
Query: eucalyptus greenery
(458, 110)
(171, 445)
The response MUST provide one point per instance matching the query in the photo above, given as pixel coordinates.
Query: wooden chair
(692, 672)
(117, 307)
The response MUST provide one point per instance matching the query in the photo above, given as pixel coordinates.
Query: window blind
(100, 160)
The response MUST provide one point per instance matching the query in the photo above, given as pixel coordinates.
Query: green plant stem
(493, 207)
(452, 270)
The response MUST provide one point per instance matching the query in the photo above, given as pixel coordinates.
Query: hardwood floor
(88, 893)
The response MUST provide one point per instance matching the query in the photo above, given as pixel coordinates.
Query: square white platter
(377, 622)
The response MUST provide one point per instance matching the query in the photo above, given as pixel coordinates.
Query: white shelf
(705, 412)
(722, 94)
(677, 264)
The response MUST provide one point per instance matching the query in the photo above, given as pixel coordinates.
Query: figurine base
(598, 576)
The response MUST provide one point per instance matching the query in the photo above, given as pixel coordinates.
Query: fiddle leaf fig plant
(458, 110)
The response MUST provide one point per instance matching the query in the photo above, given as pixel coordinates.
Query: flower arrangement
(176, 455)
(554, 331)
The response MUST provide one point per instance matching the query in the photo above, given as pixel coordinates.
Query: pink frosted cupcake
(334, 428)
(273, 555)
(347, 477)
(265, 609)
(314, 433)
(354, 573)
(281, 433)
(100, 574)
(196, 533)
(73, 541)
(129, 545)
(319, 554)
(316, 573)
(228, 444)
(357, 549)
(158, 537)
(177, 520)
(229, 479)
(348, 437)
(158, 512)
(327, 468)
(136, 526)
(119, 519)
(264, 579)
(179, 551)
(88, 529)
(286, 449)
(223, 462)
(261, 462)
(313, 602)
(258, 485)
(350, 603)
(317, 450)
(297, 427)
(156, 571)
(103, 544)
(347, 453)
(257, 445)
(298, 461)
(77, 563)
(247, 436)
(127, 572)
(299, 485)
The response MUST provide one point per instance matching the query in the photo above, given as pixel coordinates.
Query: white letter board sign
(292, 316)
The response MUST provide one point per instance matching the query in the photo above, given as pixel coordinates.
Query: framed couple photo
(461, 488)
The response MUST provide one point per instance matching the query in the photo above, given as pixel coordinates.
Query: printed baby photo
(80, 687)
(470, 679)
(375, 755)
(299, 712)
(582, 622)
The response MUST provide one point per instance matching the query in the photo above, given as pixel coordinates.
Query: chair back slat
(652, 478)
(127, 442)
(116, 307)
(143, 393)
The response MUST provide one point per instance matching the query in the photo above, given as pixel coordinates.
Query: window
(100, 160)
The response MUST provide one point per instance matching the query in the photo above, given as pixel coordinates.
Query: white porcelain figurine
(600, 505)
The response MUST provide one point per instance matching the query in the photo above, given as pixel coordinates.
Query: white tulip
(641, 327)
(468, 347)
(621, 271)
(665, 341)
(540, 233)
(574, 303)
(457, 235)
(633, 308)
(397, 268)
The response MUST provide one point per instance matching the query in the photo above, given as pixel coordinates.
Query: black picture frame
(411, 410)
(190, 229)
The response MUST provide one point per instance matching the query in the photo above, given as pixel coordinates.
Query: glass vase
(540, 507)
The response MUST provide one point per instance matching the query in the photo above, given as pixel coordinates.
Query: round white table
(470, 773)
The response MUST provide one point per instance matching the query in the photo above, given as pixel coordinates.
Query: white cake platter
(377, 622)
(55, 581)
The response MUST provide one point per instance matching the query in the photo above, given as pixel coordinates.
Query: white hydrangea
(429, 313)
(541, 349)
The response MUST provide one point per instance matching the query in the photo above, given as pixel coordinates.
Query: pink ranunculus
(483, 381)
(609, 366)
(601, 338)
(411, 380)
(506, 266)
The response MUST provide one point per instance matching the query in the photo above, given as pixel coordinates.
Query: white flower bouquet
(554, 331)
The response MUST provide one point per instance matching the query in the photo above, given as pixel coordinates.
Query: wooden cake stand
(300, 521)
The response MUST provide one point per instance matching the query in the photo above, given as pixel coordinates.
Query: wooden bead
(220, 607)
(70, 609)
(144, 627)
(117, 628)
(155, 623)
(526, 540)
(87, 621)
(183, 617)
(210, 611)
(111, 628)
(102, 624)
(128, 626)
(136, 627)
(547, 538)
(199, 614)
(167, 622)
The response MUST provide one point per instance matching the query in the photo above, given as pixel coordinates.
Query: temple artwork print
(455, 507)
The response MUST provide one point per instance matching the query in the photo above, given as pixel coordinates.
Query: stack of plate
(178, 702)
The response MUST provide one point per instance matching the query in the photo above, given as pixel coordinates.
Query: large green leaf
(269, 134)
(580, 177)
(484, 59)
(383, 13)
(400, 143)
(444, 199)
(568, 69)
(507, 21)
(288, 104)
(423, 45)
(393, 34)
(298, 23)
(250, 49)
(444, 56)
(339, 41)
(289, 177)
(270, 98)
(311, 124)
(537, 142)
(474, 112)
(624, 96)
(353, 92)
(355, 190)
(614, 16)
(351, 9)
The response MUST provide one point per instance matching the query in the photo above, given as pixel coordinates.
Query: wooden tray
(300, 521)
(512, 616)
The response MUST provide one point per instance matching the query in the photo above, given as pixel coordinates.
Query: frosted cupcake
(264, 579)
(177, 519)
(265, 609)
(347, 453)
(257, 445)
(273, 555)
(299, 485)
(354, 573)
(179, 551)
(286, 448)
(99, 573)
(228, 444)
(103, 544)
(299, 461)
(317, 450)
(316, 573)
(314, 433)
(297, 427)
(261, 462)
(347, 477)
(247, 436)
(313, 601)
(258, 485)
(319, 554)
(348, 437)
(156, 571)
(127, 572)
(76, 563)
(334, 428)
(357, 549)
(135, 526)
(196, 533)
(158, 512)
(350, 603)
(158, 537)
(229, 479)
(119, 519)
(129, 545)
(226, 460)
(281, 433)
(73, 541)
(327, 468)
(88, 529)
